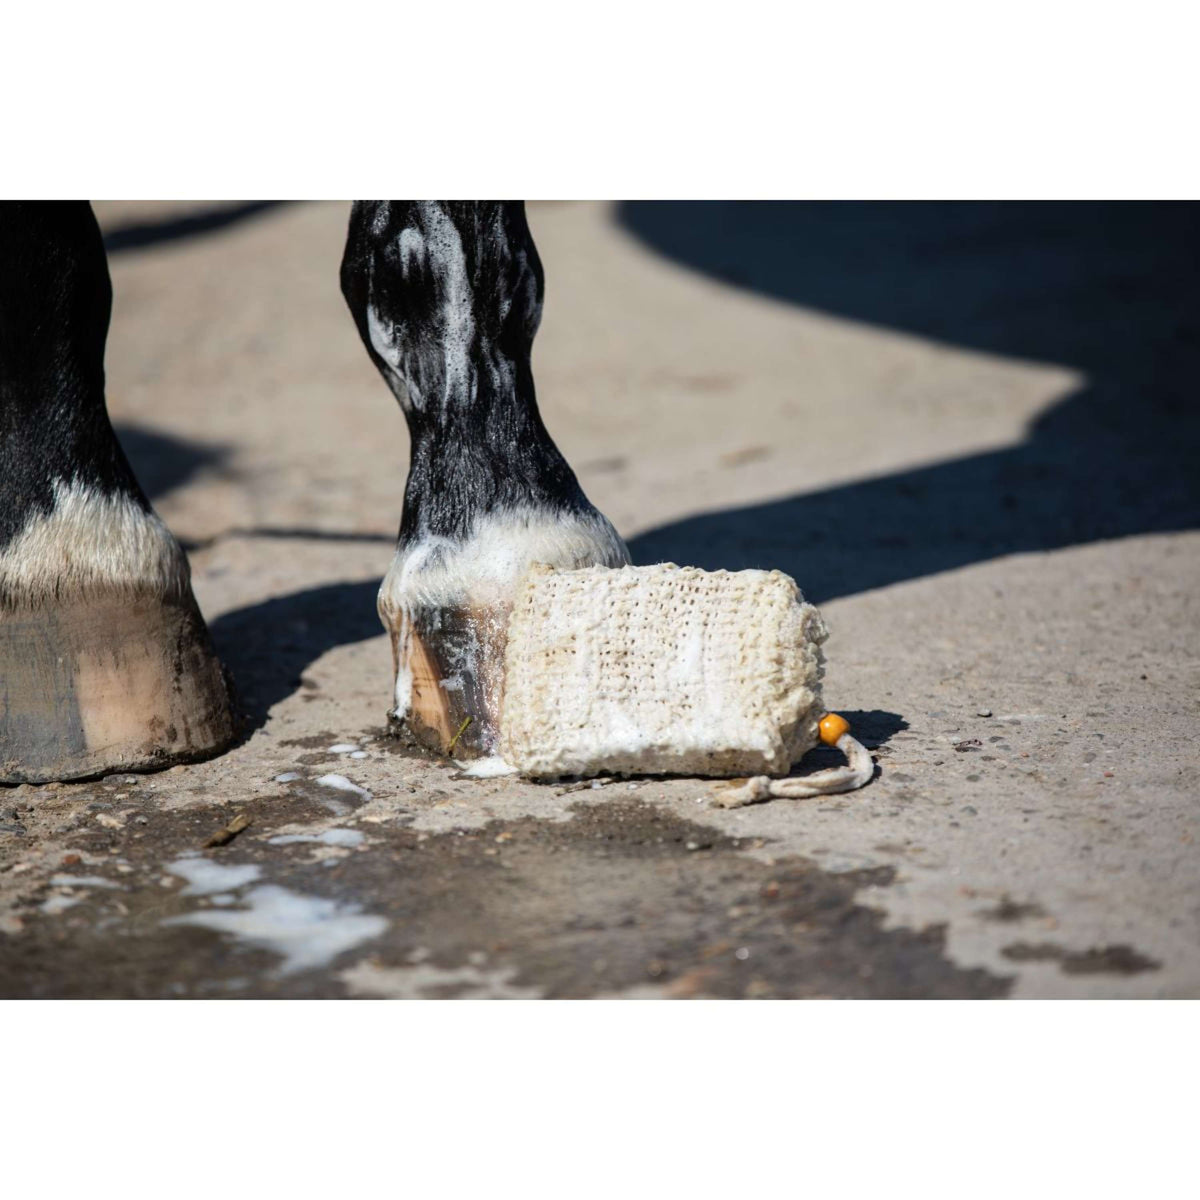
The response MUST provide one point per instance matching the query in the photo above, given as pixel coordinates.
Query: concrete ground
(969, 433)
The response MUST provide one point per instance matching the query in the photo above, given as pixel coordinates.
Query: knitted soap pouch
(670, 670)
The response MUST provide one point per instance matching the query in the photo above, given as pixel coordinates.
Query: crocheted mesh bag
(661, 669)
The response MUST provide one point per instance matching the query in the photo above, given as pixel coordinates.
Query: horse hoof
(92, 686)
(446, 605)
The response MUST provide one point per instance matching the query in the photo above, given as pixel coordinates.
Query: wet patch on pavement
(1009, 910)
(620, 898)
(1099, 960)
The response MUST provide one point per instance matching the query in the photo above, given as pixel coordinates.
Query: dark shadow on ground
(138, 234)
(162, 462)
(267, 646)
(874, 727)
(1109, 289)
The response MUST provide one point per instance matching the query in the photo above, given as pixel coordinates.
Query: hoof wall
(111, 685)
(450, 665)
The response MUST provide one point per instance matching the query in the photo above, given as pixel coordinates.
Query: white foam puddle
(206, 877)
(343, 748)
(83, 881)
(486, 768)
(59, 903)
(418, 981)
(306, 931)
(331, 837)
(341, 784)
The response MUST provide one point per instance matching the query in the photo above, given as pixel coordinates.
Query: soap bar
(660, 670)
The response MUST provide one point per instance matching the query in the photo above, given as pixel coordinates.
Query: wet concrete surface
(621, 897)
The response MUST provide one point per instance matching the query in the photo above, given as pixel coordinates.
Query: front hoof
(449, 677)
(446, 604)
(93, 686)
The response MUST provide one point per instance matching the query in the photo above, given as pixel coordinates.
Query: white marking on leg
(438, 572)
(92, 543)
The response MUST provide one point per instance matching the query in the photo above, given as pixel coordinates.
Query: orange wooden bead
(832, 727)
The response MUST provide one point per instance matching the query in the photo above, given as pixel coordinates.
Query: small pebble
(742, 953)
(342, 748)
(287, 777)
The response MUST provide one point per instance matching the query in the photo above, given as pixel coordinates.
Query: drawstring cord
(834, 731)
